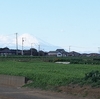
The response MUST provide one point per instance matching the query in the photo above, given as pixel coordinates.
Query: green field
(46, 74)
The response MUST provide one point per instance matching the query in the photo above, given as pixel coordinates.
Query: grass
(46, 74)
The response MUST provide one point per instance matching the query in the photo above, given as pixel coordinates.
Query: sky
(70, 24)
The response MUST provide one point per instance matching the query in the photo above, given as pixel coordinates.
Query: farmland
(46, 74)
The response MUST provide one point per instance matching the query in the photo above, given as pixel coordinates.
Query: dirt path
(7, 92)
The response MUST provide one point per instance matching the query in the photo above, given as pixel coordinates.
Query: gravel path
(7, 92)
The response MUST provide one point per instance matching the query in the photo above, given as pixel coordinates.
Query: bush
(93, 76)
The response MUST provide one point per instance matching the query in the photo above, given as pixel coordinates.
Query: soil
(87, 92)
(68, 92)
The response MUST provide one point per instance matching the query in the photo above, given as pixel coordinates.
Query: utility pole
(39, 49)
(16, 43)
(22, 45)
(31, 48)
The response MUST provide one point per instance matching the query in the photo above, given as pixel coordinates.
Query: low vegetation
(93, 77)
(49, 75)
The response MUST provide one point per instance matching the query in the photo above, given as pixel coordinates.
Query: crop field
(46, 74)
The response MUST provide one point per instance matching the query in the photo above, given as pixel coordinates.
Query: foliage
(94, 76)
(46, 74)
(72, 60)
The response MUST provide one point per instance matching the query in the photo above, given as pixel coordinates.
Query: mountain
(27, 41)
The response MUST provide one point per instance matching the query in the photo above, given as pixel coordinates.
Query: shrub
(94, 76)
